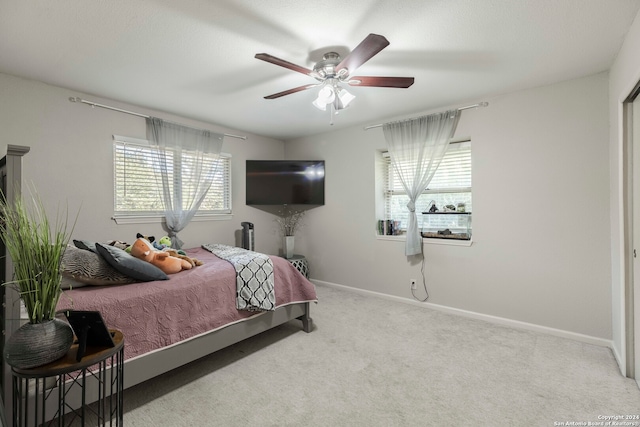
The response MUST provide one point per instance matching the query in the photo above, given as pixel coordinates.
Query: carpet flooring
(372, 362)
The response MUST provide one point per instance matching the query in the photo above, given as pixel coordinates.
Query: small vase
(288, 246)
(36, 344)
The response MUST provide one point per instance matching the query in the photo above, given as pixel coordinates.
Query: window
(137, 191)
(450, 185)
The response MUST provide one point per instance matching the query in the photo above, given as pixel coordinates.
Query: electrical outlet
(413, 283)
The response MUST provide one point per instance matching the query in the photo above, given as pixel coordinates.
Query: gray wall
(624, 75)
(71, 162)
(541, 243)
(541, 251)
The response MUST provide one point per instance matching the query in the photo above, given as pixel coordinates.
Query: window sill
(160, 219)
(428, 241)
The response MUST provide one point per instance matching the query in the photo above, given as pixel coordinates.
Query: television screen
(285, 182)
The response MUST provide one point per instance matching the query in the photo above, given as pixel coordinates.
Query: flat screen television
(285, 182)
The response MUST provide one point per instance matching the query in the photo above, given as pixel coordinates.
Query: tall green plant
(36, 247)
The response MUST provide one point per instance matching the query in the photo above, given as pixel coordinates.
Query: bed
(157, 314)
(167, 323)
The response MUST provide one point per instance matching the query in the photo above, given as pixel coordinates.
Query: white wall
(71, 162)
(541, 250)
(624, 75)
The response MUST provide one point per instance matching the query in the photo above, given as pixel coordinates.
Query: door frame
(630, 287)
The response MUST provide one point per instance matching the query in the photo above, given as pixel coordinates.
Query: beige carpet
(371, 362)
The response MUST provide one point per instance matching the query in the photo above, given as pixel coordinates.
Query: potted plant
(289, 221)
(36, 247)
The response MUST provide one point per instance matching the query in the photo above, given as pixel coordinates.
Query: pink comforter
(156, 314)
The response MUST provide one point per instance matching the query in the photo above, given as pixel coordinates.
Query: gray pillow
(130, 265)
(89, 268)
(86, 245)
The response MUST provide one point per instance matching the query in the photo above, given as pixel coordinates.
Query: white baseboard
(516, 324)
(619, 359)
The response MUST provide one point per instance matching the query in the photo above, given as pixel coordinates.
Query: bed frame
(140, 368)
(11, 185)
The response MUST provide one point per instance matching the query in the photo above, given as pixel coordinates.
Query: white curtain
(416, 147)
(185, 176)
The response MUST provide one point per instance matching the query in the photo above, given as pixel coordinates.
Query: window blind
(138, 184)
(453, 173)
(451, 184)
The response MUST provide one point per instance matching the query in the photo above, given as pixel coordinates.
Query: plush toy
(143, 249)
(165, 243)
(118, 244)
(149, 238)
(193, 261)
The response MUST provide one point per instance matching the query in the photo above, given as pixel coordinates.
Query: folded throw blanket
(254, 276)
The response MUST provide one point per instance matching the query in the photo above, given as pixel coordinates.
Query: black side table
(33, 388)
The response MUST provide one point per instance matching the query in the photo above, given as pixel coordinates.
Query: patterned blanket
(254, 276)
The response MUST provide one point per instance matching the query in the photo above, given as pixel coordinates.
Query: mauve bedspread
(152, 315)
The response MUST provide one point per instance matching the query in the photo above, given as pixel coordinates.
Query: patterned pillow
(88, 267)
(69, 283)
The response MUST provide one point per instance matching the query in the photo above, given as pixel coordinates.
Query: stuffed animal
(193, 261)
(143, 249)
(149, 238)
(164, 244)
(156, 245)
(118, 244)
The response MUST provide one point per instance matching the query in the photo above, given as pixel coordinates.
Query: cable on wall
(424, 283)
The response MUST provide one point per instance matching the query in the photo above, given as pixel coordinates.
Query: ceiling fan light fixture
(345, 97)
(326, 96)
(332, 71)
(320, 106)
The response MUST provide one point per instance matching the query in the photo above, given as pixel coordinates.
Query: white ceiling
(195, 58)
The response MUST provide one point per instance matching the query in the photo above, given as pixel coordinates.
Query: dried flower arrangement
(289, 220)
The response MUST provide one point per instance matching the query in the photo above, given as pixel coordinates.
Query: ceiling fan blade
(281, 62)
(399, 82)
(371, 45)
(290, 91)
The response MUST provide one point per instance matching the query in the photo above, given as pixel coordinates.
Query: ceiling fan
(332, 71)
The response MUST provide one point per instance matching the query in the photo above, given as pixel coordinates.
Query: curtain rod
(133, 113)
(480, 104)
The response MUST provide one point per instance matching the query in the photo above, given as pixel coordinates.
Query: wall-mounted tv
(285, 182)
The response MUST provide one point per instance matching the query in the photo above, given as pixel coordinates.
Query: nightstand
(66, 380)
(300, 263)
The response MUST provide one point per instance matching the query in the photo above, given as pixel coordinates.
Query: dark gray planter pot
(36, 344)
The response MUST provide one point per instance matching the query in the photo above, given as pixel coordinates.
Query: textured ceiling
(195, 58)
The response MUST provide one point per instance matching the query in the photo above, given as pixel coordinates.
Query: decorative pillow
(86, 245)
(130, 265)
(70, 283)
(89, 268)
